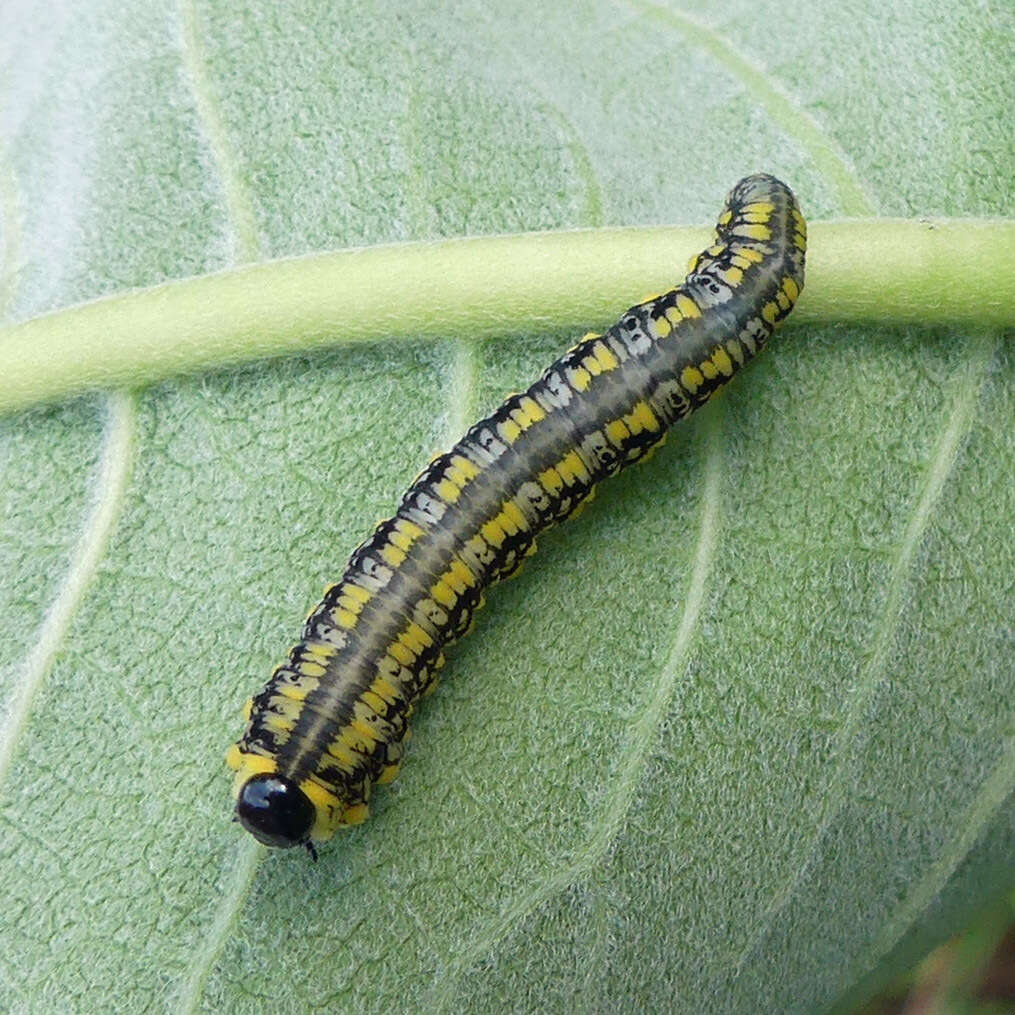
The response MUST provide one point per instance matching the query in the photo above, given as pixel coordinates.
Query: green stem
(875, 270)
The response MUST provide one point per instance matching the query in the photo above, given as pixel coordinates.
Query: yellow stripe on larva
(327, 808)
(416, 638)
(687, 306)
(406, 534)
(617, 431)
(448, 491)
(299, 692)
(510, 430)
(442, 593)
(278, 726)
(461, 573)
(723, 362)
(365, 730)
(513, 513)
(318, 651)
(753, 231)
(528, 412)
(247, 765)
(356, 592)
(351, 604)
(234, 756)
(642, 418)
(572, 469)
(456, 474)
(385, 690)
(467, 467)
(493, 533)
(604, 356)
(356, 814)
(373, 701)
(691, 379)
(402, 653)
(342, 752)
(661, 326)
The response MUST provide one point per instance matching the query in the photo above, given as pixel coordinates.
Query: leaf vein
(784, 108)
(248, 858)
(107, 500)
(618, 802)
(848, 740)
(591, 214)
(985, 804)
(239, 209)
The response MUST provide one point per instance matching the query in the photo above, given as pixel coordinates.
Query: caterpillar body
(332, 721)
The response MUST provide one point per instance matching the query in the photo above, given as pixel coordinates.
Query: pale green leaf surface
(739, 738)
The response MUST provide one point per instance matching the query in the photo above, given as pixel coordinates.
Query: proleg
(333, 719)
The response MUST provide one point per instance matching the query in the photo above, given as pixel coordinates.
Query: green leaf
(740, 738)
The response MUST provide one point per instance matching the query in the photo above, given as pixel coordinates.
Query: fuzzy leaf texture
(739, 739)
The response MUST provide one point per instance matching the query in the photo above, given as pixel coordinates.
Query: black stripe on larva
(331, 721)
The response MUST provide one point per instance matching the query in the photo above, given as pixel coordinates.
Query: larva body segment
(332, 720)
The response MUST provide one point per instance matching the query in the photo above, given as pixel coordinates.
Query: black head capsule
(275, 811)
